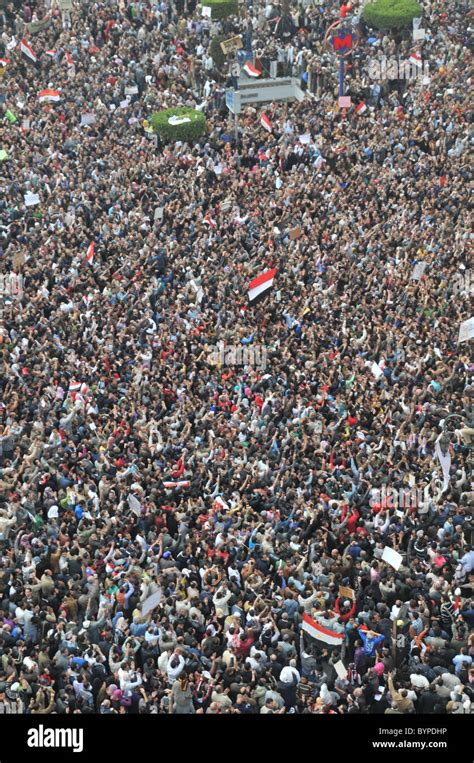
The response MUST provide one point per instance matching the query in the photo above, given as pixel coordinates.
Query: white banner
(445, 461)
(392, 557)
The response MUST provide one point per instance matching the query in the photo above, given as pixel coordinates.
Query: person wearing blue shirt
(461, 660)
(370, 641)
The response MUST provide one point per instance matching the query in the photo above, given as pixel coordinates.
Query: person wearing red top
(245, 644)
(345, 616)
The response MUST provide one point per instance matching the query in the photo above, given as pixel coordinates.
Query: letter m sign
(342, 43)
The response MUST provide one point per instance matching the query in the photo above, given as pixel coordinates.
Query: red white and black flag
(416, 59)
(49, 96)
(208, 220)
(265, 122)
(28, 52)
(250, 70)
(261, 286)
(90, 253)
(69, 61)
(320, 633)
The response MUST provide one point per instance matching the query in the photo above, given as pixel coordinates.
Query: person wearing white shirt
(289, 673)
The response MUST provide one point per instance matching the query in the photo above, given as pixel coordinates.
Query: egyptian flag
(415, 58)
(28, 51)
(90, 253)
(170, 484)
(4, 62)
(260, 286)
(49, 96)
(265, 122)
(320, 633)
(209, 221)
(361, 108)
(69, 61)
(50, 53)
(250, 70)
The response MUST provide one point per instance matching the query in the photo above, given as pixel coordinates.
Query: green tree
(391, 14)
(181, 123)
(216, 51)
(222, 8)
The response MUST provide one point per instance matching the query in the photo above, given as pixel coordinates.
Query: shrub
(186, 131)
(216, 51)
(391, 14)
(222, 8)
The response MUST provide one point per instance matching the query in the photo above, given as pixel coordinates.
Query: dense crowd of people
(168, 524)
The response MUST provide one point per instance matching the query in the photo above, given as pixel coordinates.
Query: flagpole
(341, 77)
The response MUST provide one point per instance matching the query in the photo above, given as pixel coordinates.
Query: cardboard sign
(231, 45)
(392, 557)
(295, 233)
(18, 260)
(37, 26)
(346, 593)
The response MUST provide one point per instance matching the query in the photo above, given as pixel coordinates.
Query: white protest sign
(206, 11)
(134, 504)
(376, 370)
(340, 669)
(87, 119)
(131, 90)
(392, 557)
(466, 330)
(305, 139)
(151, 602)
(175, 120)
(31, 199)
(418, 271)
